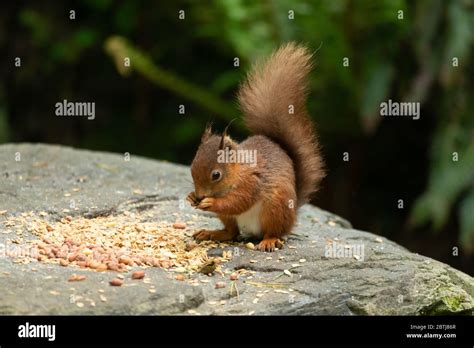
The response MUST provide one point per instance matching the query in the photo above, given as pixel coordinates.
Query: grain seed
(76, 278)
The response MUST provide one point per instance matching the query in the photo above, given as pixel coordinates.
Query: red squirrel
(260, 198)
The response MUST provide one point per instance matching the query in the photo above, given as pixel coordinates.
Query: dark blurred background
(420, 51)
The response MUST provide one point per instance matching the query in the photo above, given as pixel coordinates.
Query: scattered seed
(250, 246)
(116, 282)
(302, 260)
(281, 291)
(102, 267)
(379, 240)
(220, 285)
(179, 225)
(116, 243)
(190, 245)
(76, 278)
(3, 212)
(138, 275)
(112, 266)
(80, 304)
(253, 261)
(179, 277)
(87, 251)
(103, 298)
(287, 272)
(152, 291)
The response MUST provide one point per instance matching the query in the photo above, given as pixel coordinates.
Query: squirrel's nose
(199, 197)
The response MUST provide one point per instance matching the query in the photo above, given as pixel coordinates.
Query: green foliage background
(190, 62)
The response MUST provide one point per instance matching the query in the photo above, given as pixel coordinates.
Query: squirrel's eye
(216, 175)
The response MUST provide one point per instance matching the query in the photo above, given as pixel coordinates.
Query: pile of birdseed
(116, 242)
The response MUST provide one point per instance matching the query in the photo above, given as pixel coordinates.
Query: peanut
(102, 267)
(113, 266)
(138, 275)
(116, 282)
(179, 225)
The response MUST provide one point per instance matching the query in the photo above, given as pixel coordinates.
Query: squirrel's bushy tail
(273, 100)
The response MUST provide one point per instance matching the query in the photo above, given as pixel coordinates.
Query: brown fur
(289, 165)
(273, 86)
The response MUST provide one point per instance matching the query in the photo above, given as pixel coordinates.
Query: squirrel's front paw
(191, 198)
(206, 204)
(217, 235)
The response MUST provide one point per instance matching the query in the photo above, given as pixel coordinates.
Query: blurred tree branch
(120, 49)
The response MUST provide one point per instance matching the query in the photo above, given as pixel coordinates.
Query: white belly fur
(249, 221)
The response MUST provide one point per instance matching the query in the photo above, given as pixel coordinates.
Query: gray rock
(302, 278)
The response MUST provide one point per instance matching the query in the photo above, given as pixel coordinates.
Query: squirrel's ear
(225, 139)
(207, 133)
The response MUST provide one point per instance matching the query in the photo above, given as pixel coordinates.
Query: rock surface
(302, 278)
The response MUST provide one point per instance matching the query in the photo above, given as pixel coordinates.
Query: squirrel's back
(273, 100)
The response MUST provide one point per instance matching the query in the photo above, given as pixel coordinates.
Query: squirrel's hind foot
(270, 244)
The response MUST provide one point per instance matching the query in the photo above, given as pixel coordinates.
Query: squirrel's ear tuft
(226, 141)
(207, 133)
